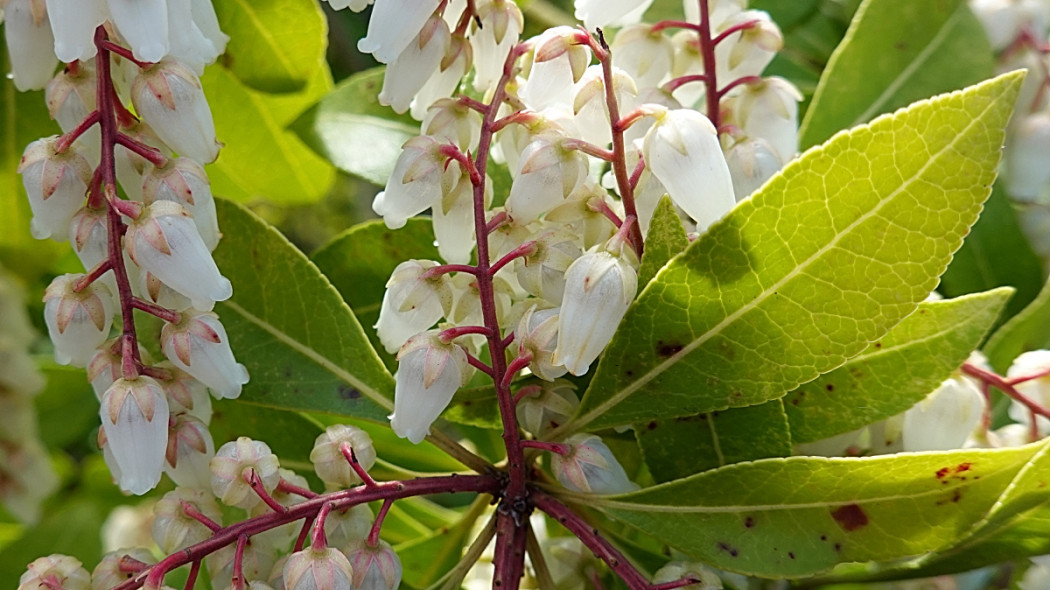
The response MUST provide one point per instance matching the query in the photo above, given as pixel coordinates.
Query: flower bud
(232, 466)
(421, 58)
(392, 26)
(105, 366)
(183, 181)
(134, 416)
(30, 43)
(549, 406)
(169, 97)
(684, 154)
(344, 527)
(189, 452)
(537, 336)
(415, 183)
(164, 241)
(108, 574)
(375, 568)
(429, 373)
(454, 212)
(318, 569)
(257, 561)
(678, 570)
(599, 287)
(154, 290)
(70, 98)
(444, 81)
(77, 321)
(55, 184)
(497, 29)
(590, 467)
(591, 107)
(945, 418)
(55, 572)
(329, 462)
(412, 303)
(173, 528)
(185, 394)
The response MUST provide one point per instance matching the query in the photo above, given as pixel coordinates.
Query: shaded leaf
(665, 240)
(897, 371)
(1025, 331)
(828, 256)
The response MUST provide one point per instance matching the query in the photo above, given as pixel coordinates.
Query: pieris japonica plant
(658, 295)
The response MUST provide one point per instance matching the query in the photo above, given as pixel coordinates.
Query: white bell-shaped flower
(542, 272)
(592, 109)
(169, 97)
(164, 241)
(429, 372)
(749, 51)
(198, 344)
(208, 23)
(185, 394)
(599, 287)
(134, 415)
(683, 152)
(318, 568)
(1003, 20)
(1027, 173)
(945, 418)
(154, 290)
(421, 58)
(56, 184)
(108, 573)
(501, 23)
(329, 462)
(603, 13)
(173, 529)
(89, 236)
(645, 55)
(547, 407)
(232, 465)
(144, 26)
(30, 43)
(1028, 364)
(548, 172)
(344, 527)
(77, 321)
(537, 336)
(769, 109)
(415, 183)
(189, 452)
(375, 568)
(59, 571)
(73, 23)
(557, 62)
(451, 121)
(454, 214)
(751, 161)
(70, 97)
(393, 25)
(590, 467)
(412, 303)
(184, 181)
(189, 44)
(443, 81)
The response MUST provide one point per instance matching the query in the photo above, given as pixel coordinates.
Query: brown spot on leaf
(349, 393)
(652, 425)
(668, 349)
(878, 345)
(749, 522)
(829, 387)
(850, 517)
(791, 555)
(728, 549)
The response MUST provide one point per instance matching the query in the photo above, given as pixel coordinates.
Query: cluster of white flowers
(564, 229)
(26, 475)
(154, 419)
(1018, 31)
(347, 556)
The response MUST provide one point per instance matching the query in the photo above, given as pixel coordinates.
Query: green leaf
(71, 528)
(800, 516)
(1025, 331)
(828, 256)
(897, 371)
(353, 131)
(262, 159)
(303, 347)
(275, 45)
(680, 447)
(665, 240)
(995, 254)
(426, 559)
(360, 261)
(894, 53)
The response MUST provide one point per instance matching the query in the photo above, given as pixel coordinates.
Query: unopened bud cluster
(154, 415)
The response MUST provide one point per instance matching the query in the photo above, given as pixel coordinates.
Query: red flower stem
(373, 533)
(707, 53)
(619, 149)
(550, 447)
(674, 24)
(1004, 386)
(290, 488)
(526, 249)
(497, 222)
(449, 334)
(67, 139)
(152, 154)
(129, 565)
(750, 24)
(104, 96)
(673, 584)
(304, 532)
(100, 269)
(738, 82)
(318, 539)
(257, 486)
(590, 537)
(454, 153)
(589, 148)
(1029, 377)
(479, 364)
(124, 117)
(172, 317)
(599, 205)
(124, 52)
(636, 175)
(508, 339)
(191, 511)
(444, 269)
(351, 457)
(519, 363)
(154, 577)
(676, 83)
(237, 581)
(191, 579)
(986, 411)
(509, 556)
(155, 372)
(525, 391)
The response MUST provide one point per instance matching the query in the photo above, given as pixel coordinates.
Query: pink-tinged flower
(169, 97)
(109, 574)
(198, 344)
(189, 452)
(412, 303)
(173, 529)
(57, 572)
(232, 466)
(105, 366)
(184, 181)
(393, 25)
(945, 418)
(684, 154)
(599, 287)
(70, 97)
(429, 373)
(318, 569)
(77, 321)
(153, 289)
(165, 242)
(1003, 20)
(375, 568)
(73, 23)
(134, 416)
(56, 184)
(501, 23)
(415, 183)
(537, 335)
(550, 406)
(557, 62)
(30, 43)
(590, 467)
(185, 394)
(329, 462)
(144, 26)
(602, 13)
(548, 172)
